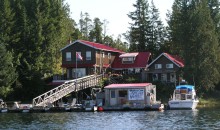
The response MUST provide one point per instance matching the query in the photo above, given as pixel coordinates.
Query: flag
(78, 56)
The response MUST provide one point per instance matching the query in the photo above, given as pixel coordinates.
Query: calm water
(131, 120)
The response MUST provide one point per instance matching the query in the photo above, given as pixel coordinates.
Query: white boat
(4, 110)
(184, 97)
(3, 107)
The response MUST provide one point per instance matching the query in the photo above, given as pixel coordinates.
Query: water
(129, 120)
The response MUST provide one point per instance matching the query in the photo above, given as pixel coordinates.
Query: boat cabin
(134, 95)
(184, 92)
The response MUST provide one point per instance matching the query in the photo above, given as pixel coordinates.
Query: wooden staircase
(69, 86)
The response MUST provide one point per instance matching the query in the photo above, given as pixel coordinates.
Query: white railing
(67, 87)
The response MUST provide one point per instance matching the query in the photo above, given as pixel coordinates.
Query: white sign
(136, 94)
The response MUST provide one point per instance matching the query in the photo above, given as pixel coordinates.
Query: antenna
(193, 81)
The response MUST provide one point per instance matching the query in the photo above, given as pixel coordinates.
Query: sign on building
(136, 94)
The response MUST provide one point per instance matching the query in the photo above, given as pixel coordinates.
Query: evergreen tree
(139, 28)
(85, 25)
(193, 33)
(156, 31)
(95, 34)
(8, 73)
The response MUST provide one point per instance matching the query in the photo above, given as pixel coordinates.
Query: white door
(113, 98)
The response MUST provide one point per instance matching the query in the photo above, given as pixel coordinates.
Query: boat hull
(183, 104)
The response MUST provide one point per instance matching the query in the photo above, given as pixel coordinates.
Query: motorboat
(184, 97)
(3, 106)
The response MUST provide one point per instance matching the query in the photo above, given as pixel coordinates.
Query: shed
(133, 95)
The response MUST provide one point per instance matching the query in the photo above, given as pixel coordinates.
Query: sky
(114, 11)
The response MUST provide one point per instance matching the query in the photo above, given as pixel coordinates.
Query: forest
(32, 32)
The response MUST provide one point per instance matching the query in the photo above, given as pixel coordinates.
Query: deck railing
(67, 87)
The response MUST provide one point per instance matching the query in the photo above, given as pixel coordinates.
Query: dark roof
(131, 85)
(98, 46)
(174, 58)
(141, 61)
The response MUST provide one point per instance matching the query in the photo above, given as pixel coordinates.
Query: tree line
(32, 32)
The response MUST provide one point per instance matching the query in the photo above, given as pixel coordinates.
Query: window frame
(68, 57)
(169, 66)
(88, 55)
(109, 55)
(158, 66)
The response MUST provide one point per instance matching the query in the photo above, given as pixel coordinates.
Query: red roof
(131, 85)
(175, 59)
(141, 61)
(98, 46)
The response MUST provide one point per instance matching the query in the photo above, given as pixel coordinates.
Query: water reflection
(171, 119)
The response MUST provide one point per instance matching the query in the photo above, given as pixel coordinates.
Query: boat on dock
(3, 107)
(184, 97)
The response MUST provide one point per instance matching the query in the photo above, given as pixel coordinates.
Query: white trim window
(109, 55)
(158, 66)
(127, 60)
(68, 56)
(169, 66)
(88, 55)
(103, 54)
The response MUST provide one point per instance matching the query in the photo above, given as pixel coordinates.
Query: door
(113, 101)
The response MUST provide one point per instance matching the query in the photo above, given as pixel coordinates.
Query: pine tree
(85, 25)
(95, 34)
(8, 73)
(156, 31)
(193, 33)
(139, 27)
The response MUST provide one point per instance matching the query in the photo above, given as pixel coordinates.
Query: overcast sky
(114, 11)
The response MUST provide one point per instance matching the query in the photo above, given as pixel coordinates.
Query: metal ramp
(66, 88)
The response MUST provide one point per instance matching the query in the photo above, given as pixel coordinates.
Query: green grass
(209, 102)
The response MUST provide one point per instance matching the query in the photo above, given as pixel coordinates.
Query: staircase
(69, 86)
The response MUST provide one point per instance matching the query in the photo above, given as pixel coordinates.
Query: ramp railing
(67, 87)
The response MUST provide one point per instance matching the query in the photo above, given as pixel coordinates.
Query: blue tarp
(189, 87)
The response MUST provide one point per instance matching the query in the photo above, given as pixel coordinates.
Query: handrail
(66, 88)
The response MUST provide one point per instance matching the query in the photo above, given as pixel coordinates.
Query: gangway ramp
(65, 89)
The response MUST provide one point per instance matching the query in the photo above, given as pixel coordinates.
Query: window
(79, 54)
(138, 70)
(109, 55)
(188, 96)
(155, 77)
(164, 77)
(103, 54)
(158, 66)
(127, 60)
(177, 96)
(169, 66)
(172, 77)
(68, 56)
(88, 55)
(112, 94)
(183, 96)
(123, 93)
